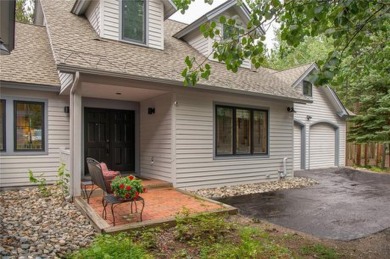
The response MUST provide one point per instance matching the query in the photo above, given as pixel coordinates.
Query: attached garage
(323, 146)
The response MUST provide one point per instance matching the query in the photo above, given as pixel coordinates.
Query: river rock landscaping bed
(244, 189)
(32, 226)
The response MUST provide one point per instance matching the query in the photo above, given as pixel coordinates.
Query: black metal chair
(109, 198)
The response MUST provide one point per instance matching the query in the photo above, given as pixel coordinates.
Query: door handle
(107, 146)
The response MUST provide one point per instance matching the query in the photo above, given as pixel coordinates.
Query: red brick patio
(162, 203)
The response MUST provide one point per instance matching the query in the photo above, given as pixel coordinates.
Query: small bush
(107, 246)
(253, 244)
(319, 251)
(204, 228)
(41, 181)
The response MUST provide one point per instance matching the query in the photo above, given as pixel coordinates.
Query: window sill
(134, 43)
(241, 157)
(24, 153)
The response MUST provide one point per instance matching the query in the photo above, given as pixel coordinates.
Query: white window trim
(146, 26)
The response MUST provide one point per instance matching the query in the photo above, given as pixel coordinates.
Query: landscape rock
(32, 226)
(244, 189)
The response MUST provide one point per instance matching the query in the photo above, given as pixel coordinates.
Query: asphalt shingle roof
(290, 76)
(76, 44)
(32, 59)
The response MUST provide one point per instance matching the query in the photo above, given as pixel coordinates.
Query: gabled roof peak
(213, 14)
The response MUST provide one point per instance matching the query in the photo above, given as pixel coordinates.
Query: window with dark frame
(307, 88)
(240, 131)
(134, 21)
(29, 126)
(2, 125)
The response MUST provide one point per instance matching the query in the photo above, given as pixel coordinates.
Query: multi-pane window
(2, 125)
(241, 131)
(307, 88)
(133, 20)
(29, 126)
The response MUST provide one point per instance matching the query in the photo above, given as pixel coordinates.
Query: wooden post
(358, 154)
(378, 152)
(365, 155)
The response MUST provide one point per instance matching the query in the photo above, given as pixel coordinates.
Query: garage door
(297, 147)
(322, 146)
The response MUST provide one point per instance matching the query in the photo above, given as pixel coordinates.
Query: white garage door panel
(322, 146)
(297, 147)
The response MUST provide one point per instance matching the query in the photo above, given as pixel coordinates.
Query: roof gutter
(72, 69)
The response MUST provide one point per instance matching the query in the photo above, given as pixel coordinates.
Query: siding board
(196, 166)
(155, 134)
(14, 168)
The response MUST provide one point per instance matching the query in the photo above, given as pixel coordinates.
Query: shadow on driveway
(345, 205)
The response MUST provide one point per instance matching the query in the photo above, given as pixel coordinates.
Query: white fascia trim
(304, 75)
(344, 113)
(211, 15)
(71, 69)
(170, 8)
(28, 86)
(80, 6)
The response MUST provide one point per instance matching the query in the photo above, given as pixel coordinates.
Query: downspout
(72, 91)
(283, 173)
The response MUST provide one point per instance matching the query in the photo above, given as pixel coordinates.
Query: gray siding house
(101, 78)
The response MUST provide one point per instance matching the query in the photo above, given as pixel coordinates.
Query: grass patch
(112, 246)
(252, 243)
(320, 251)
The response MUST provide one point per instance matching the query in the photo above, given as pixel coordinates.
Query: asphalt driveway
(345, 205)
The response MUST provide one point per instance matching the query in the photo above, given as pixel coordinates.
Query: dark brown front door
(109, 137)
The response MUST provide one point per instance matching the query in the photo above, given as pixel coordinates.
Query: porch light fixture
(308, 117)
(3, 49)
(151, 110)
(290, 109)
(66, 109)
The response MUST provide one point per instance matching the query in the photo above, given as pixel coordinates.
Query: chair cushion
(108, 176)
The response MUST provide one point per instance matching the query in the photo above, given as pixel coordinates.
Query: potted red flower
(127, 187)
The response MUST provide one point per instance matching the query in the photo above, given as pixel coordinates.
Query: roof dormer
(137, 22)
(230, 9)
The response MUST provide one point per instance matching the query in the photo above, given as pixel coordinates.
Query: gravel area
(244, 189)
(32, 226)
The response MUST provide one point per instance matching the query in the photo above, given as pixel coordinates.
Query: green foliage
(146, 238)
(41, 181)
(311, 49)
(63, 180)
(24, 11)
(253, 243)
(350, 24)
(202, 229)
(116, 246)
(319, 251)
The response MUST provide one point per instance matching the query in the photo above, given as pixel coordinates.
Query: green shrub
(201, 229)
(63, 180)
(41, 181)
(252, 243)
(116, 246)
